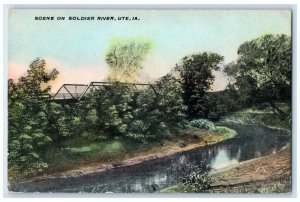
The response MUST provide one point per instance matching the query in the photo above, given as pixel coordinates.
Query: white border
(151, 4)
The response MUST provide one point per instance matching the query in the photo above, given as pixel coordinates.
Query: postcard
(149, 100)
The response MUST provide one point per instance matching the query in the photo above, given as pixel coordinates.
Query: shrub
(195, 178)
(225, 132)
(203, 124)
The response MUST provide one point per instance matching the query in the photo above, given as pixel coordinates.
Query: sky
(77, 47)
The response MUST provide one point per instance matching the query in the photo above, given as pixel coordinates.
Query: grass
(263, 116)
(79, 151)
(282, 185)
(225, 132)
(101, 147)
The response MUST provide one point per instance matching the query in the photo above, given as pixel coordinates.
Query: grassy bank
(82, 156)
(264, 116)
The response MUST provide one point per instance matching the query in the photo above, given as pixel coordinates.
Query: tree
(194, 73)
(106, 112)
(35, 82)
(125, 57)
(159, 111)
(63, 120)
(263, 69)
(27, 120)
(242, 85)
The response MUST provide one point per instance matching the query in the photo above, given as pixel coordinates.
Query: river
(252, 141)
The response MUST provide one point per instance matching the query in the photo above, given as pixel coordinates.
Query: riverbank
(265, 117)
(269, 174)
(188, 139)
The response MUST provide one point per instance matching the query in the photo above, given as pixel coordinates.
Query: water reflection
(224, 158)
(251, 142)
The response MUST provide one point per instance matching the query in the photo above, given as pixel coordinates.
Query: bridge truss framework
(78, 91)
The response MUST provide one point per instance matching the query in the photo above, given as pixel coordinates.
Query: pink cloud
(15, 71)
(220, 82)
(80, 75)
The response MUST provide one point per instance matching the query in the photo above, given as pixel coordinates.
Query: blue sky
(78, 47)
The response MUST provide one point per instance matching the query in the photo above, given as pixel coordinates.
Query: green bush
(203, 124)
(63, 120)
(225, 132)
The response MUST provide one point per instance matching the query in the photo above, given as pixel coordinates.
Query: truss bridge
(76, 92)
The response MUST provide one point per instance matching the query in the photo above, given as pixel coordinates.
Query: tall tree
(196, 77)
(266, 64)
(125, 57)
(27, 120)
(159, 111)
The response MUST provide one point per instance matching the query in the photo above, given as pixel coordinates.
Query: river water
(252, 141)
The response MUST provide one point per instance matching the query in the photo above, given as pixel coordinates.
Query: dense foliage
(63, 120)
(106, 112)
(159, 112)
(27, 118)
(150, 114)
(195, 74)
(222, 102)
(263, 70)
(114, 111)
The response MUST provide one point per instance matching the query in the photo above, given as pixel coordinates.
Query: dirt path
(266, 174)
